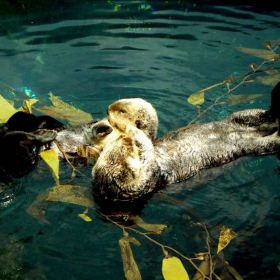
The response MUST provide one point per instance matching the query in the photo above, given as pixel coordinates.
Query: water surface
(92, 53)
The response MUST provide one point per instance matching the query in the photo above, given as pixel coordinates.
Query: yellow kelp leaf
(212, 86)
(265, 54)
(158, 228)
(73, 117)
(270, 80)
(197, 98)
(27, 105)
(71, 194)
(85, 216)
(61, 104)
(133, 240)
(204, 267)
(233, 272)
(130, 267)
(36, 209)
(271, 71)
(240, 98)
(172, 268)
(7, 110)
(69, 108)
(53, 111)
(52, 160)
(226, 235)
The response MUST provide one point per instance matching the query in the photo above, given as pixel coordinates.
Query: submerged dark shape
(133, 165)
(25, 135)
(21, 141)
(26, 122)
(275, 103)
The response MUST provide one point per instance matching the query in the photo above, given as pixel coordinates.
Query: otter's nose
(108, 130)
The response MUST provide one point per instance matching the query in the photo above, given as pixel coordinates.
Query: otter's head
(134, 111)
(101, 133)
(126, 168)
(94, 135)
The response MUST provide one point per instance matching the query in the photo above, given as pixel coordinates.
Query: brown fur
(133, 165)
(126, 168)
(95, 134)
(134, 111)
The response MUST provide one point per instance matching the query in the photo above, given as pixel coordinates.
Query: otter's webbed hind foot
(275, 104)
(260, 146)
(252, 118)
(264, 122)
(256, 121)
(275, 101)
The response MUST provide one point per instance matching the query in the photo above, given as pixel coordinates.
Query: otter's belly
(183, 153)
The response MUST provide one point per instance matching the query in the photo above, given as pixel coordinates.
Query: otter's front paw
(131, 130)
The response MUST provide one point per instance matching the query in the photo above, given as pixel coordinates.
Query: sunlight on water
(91, 53)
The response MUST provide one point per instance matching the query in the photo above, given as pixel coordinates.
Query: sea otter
(134, 165)
(21, 141)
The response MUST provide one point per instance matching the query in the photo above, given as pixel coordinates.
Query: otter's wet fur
(135, 111)
(95, 134)
(127, 167)
(133, 165)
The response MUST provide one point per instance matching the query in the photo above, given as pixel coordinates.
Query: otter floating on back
(133, 165)
(133, 162)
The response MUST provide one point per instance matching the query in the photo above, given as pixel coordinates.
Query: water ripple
(91, 53)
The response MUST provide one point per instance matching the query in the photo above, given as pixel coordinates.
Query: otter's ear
(103, 131)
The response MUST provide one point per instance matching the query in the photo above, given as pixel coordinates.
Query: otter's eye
(123, 111)
(138, 124)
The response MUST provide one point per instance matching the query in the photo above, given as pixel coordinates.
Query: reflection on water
(91, 53)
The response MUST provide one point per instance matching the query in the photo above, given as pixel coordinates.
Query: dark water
(91, 53)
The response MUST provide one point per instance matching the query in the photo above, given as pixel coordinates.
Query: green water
(91, 53)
